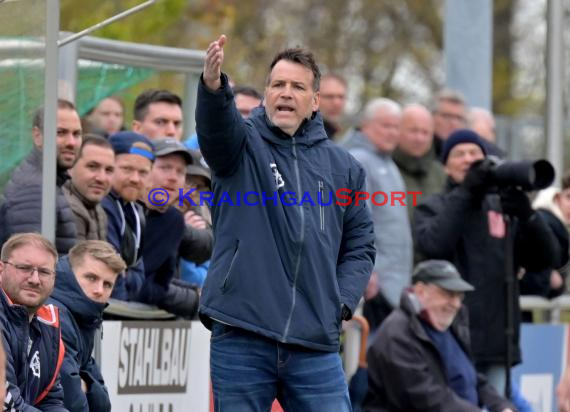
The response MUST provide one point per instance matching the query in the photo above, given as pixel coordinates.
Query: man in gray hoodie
(372, 145)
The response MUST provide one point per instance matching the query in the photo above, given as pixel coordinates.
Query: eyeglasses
(333, 96)
(28, 270)
(451, 116)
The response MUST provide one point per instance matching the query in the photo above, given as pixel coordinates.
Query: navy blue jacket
(27, 391)
(281, 271)
(80, 317)
(162, 235)
(121, 233)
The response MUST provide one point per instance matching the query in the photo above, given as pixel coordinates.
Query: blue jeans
(250, 371)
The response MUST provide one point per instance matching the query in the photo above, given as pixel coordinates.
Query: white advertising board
(156, 366)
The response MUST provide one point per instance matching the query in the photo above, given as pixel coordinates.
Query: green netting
(99, 80)
(22, 85)
(22, 25)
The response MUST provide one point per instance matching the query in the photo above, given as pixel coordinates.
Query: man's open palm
(213, 63)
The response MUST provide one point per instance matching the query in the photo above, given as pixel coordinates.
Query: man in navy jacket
(84, 281)
(133, 162)
(31, 330)
(163, 232)
(289, 262)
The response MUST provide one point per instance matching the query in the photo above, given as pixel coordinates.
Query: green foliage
(367, 41)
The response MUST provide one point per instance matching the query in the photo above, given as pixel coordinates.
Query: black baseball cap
(441, 273)
(199, 167)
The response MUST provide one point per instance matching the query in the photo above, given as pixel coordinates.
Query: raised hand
(213, 63)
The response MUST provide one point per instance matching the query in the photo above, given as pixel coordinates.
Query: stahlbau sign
(156, 366)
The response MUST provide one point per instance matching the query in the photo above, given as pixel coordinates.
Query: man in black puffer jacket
(83, 285)
(21, 207)
(466, 225)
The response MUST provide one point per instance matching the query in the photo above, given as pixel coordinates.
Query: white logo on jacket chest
(279, 183)
(35, 364)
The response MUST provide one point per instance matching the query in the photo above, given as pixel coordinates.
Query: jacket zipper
(321, 207)
(301, 240)
(231, 266)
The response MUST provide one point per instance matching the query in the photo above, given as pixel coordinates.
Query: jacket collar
(410, 305)
(36, 158)
(310, 132)
(15, 312)
(114, 196)
(69, 293)
(76, 193)
(545, 200)
(414, 165)
(450, 184)
(355, 139)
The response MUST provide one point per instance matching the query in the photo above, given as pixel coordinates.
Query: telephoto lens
(527, 175)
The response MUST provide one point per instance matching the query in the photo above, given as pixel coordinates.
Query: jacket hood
(67, 291)
(545, 200)
(409, 303)
(310, 132)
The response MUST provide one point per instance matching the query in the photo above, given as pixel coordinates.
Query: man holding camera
(488, 233)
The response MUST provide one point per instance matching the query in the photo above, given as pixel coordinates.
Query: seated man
(90, 182)
(482, 230)
(158, 114)
(31, 331)
(420, 358)
(126, 222)
(198, 238)
(194, 270)
(21, 207)
(164, 231)
(83, 286)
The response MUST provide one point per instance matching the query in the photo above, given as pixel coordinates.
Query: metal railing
(548, 310)
(136, 311)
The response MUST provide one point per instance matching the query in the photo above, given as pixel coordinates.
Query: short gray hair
(447, 95)
(380, 103)
(477, 113)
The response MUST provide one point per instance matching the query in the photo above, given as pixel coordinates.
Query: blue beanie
(462, 136)
(132, 143)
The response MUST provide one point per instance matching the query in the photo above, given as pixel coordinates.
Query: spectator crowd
(439, 281)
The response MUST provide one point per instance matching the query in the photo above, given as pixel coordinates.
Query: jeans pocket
(220, 331)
